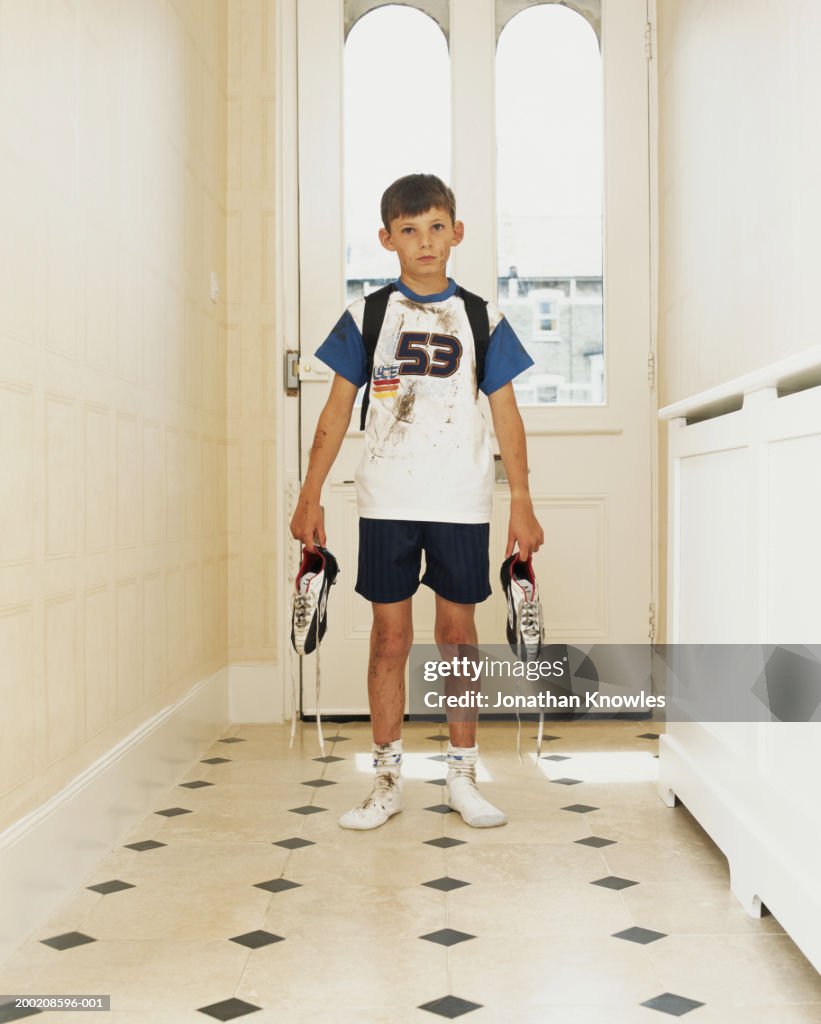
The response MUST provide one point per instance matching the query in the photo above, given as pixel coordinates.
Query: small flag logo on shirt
(385, 381)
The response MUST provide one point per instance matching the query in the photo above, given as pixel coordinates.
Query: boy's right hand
(308, 522)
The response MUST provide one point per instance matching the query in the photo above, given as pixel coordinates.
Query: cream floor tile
(520, 865)
(326, 914)
(139, 975)
(665, 861)
(767, 1013)
(355, 858)
(693, 908)
(370, 971)
(738, 970)
(498, 909)
(573, 970)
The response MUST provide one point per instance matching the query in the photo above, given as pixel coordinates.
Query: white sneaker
(463, 796)
(309, 602)
(383, 801)
(525, 626)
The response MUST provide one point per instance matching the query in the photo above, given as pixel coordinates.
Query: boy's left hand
(524, 529)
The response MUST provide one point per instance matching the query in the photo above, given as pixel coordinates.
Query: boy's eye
(407, 231)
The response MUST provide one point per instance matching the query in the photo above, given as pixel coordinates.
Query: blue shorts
(390, 556)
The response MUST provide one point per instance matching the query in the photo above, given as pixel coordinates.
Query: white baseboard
(45, 856)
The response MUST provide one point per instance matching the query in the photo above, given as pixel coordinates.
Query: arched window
(550, 137)
(396, 122)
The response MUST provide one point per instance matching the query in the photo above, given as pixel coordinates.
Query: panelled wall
(113, 554)
(740, 207)
(254, 372)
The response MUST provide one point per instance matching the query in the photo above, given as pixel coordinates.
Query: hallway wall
(740, 161)
(254, 372)
(740, 207)
(113, 561)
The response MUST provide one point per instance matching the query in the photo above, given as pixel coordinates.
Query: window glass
(549, 120)
(397, 122)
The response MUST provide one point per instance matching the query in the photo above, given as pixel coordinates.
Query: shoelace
(302, 615)
(302, 610)
(530, 620)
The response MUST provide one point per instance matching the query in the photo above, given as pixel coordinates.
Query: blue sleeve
(505, 358)
(344, 351)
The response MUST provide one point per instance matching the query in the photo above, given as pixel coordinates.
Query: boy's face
(423, 243)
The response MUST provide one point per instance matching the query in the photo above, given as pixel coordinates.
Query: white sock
(385, 799)
(388, 756)
(463, 794)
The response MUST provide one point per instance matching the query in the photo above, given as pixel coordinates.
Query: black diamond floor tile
(438, 738)
(307, 809)
(595, 841)
(171, 812)
(229, 1009)
(294, 844)
(319, 783)
(641, 935)
(196, 784)
(567, 782)
(145, 844)
(68, 940)
(545, 738)
(669, 1002)
(215, 760)
(447, 937)
(257, 939)
(277, 885)
(336, 739)
(444, 842)
(445, 884)
(555, 757)
(232, 739)
(328, 759)
(436, 782)
(438, 757)
(648, 736)
(614, 882)
(115, 885)
(450, 1007)
(439, 809)
(579, 808)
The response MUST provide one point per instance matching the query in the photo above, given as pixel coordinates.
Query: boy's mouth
(426, 259)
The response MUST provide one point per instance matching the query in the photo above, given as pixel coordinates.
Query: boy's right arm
(308, 520)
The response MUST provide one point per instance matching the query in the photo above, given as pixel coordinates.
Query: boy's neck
(426, 285)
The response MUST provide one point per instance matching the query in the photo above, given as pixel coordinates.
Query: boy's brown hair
(415, 194)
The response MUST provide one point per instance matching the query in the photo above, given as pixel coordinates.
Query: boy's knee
(454, 633)
(391, 641)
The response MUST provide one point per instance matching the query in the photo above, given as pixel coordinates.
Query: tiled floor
(595, 904)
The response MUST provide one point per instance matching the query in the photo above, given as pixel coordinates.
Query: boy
(425, 480)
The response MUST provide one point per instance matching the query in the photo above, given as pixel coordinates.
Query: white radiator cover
(744, 566)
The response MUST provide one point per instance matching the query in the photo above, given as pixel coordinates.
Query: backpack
(376, 305)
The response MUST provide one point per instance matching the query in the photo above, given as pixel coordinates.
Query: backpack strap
(376, 305)
(476, 310)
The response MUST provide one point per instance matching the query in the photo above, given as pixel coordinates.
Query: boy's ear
(386, 240)
(458, 232)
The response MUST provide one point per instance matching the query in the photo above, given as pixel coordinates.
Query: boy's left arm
(524, 527)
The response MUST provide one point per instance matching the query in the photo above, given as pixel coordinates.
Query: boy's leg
(455, 635)
(391, 638)
(455, 627)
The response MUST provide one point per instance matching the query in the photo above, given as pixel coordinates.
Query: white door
(590, 464)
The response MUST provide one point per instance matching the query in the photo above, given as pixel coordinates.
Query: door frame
(286, 290)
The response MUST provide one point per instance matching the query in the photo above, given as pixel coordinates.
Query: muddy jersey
(427, 453)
